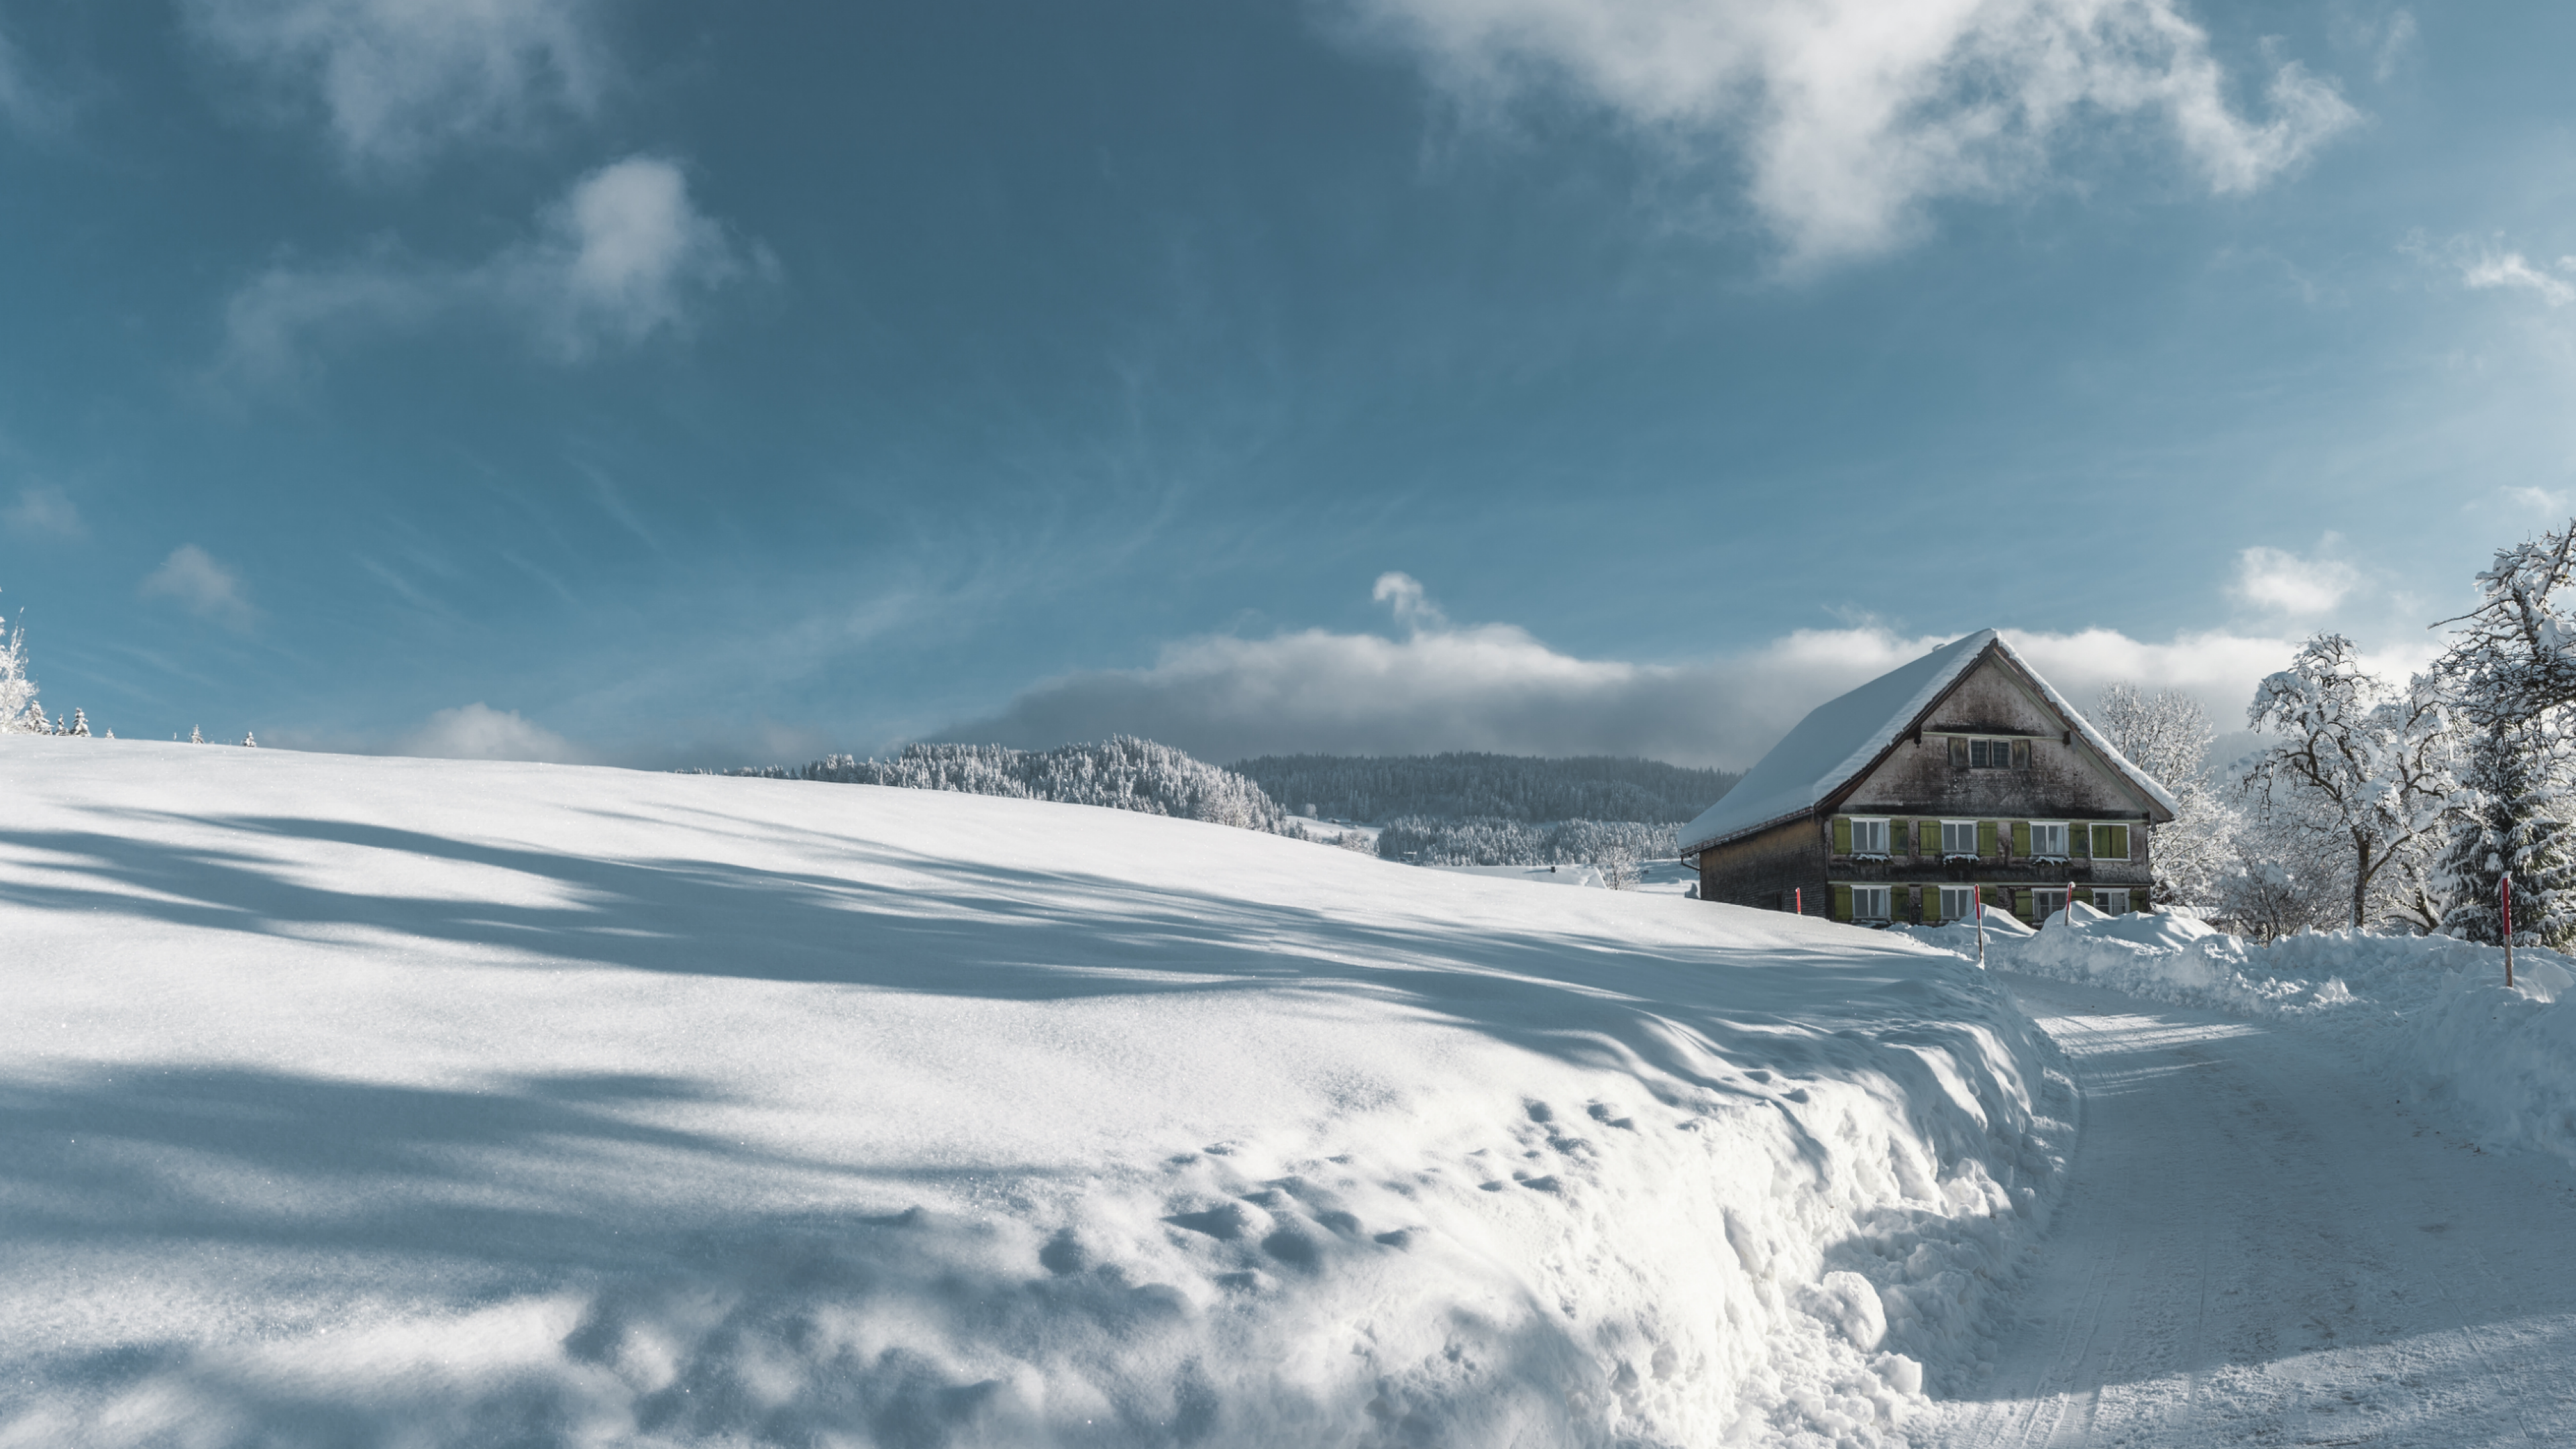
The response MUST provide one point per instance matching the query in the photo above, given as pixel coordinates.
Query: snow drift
(2434, 1008)
(408, 1102)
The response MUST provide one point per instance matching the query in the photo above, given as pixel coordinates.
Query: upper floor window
(1973, 754)
(2110, 842)
(2048, 839)
(1958, 837)
(1870, 903)
(1868, 837)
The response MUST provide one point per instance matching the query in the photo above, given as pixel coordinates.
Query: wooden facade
(1993, 791)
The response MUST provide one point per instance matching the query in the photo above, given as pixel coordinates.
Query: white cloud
(2511, 271)
(400, 79)
(623, 255)
(1496, 687)
(45, 511)
(1847, 116)
(479, 732)
(2540, 500)
(2285, 583)
(204, 587)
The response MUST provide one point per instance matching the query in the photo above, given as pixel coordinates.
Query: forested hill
(1375, 789)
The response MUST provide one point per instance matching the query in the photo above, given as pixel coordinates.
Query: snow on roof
(1839, 738)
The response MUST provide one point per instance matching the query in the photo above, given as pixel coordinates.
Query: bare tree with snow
(2364, 765)
(2167, 734)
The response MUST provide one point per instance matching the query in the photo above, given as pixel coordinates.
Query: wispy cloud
(193, 579)
(2487, 265)
(2510, 270)
(44, 511)
(624, 255)
(28, 104)
(397, 80)
(1848, 116)
(1445, 686)
(479, 732)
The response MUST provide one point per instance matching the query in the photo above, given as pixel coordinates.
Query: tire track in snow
(2260, 1243)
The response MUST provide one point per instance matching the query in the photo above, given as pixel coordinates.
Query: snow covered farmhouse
(1958, 775)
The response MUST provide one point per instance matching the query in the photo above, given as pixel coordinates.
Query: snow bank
(394, 1101)
(2437, 1010)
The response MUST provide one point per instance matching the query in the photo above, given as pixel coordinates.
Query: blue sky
(659, 384)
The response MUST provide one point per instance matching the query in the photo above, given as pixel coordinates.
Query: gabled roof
(1843, 737)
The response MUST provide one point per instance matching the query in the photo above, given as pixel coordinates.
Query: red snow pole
(1801, 893)
(2504, 891)
(1981, 926)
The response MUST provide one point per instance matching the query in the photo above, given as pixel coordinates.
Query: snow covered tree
(2514, 655)
(80, 722)
(19, 712)
(2515, 819)
(2363, 765)
(196, 736)
(36, 723)
(2167, 735)
(249, 740)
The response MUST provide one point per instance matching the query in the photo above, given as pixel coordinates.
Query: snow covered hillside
(373, 1101)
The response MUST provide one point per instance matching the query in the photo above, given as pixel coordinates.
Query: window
(2110, 842)
(1958, 837)
(2048, 839)
(1869, 903)
(1868, 837)
(2047, 903)
(1989, 754)
(2111, 903)
(1958, 903)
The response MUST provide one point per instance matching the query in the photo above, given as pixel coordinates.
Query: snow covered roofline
(1843, 737)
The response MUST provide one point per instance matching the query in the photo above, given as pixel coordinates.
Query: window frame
(1886, 836)
(2127, 838)
(2065, 841)
(1959, 903)
(2121, 891)
(1886, 898)
(1970, 826)
(2040, 907)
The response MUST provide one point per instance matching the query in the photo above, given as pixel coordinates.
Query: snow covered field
(366, 1101)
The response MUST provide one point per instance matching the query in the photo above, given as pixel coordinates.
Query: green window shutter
(1958, 753)
(1897, 834)
(2080, 893)
(2021, 754)
(1930, 835)
(1931, 905)
(2021, 840)
(2021, 904)
(2111, 842)
(1842, 835)
(2079, 840)
(1986, 834)
(1842, 903)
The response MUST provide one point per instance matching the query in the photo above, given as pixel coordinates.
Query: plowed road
(2260, 1243)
